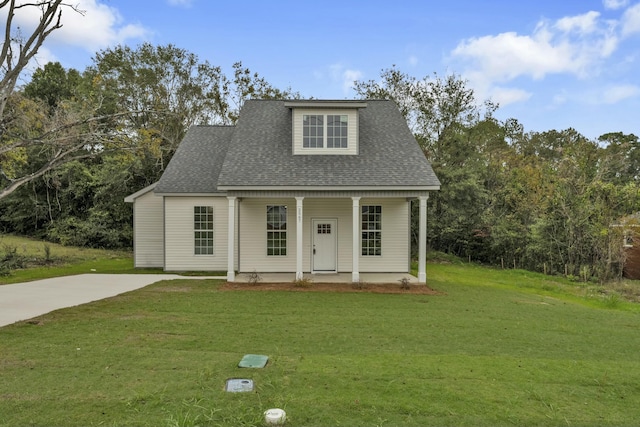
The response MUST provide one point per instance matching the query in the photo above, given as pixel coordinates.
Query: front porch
(392, 278)
(313, 235)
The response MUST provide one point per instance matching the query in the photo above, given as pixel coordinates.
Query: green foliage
(543, 201)
(10, 259)
(145, 98)
(53, 84)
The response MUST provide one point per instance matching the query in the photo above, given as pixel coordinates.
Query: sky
(549, 64)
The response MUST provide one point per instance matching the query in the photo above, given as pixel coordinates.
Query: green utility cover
(253, 361)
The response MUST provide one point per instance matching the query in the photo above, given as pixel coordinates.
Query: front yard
(493, 348)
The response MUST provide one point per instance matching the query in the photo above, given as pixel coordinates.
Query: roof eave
(325, 104)
(329, 188)
(132, 197)
(186, 194)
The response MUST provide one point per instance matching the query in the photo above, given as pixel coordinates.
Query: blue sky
(550, 64)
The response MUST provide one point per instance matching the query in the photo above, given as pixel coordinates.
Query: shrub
(305, 282)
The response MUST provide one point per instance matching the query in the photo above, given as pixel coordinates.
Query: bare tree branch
(50, 20)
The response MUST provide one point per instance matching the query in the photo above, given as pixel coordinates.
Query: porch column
(299, 232)
(422, 241)
(355, 274)
(231, 275)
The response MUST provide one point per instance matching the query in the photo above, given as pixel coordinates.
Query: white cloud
(346, 77)
(615, 4)
(631, 20)
(180, 3)
(98, 27)
(571, 45)
(505, 96)
(586, 23)
(560, 98)
(413, 60)
(575, 45)
(615, 94)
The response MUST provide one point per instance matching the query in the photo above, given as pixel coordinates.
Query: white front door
(324, 251)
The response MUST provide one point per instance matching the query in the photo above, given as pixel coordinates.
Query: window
(372, 230)
(312, 131)
(276, 230)
(336, 131)
(324, 229)
(203, 230)
(318, 129)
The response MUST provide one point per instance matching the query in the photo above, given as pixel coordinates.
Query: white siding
(148, 240)
(253, 237)
(253, 234)
(352, 132)
(395, 238)
(179, 234)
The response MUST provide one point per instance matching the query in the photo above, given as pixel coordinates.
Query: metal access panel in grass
(239, 385)
(253, 361)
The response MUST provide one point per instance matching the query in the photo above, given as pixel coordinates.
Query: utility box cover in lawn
(238, 385)
(253, 361)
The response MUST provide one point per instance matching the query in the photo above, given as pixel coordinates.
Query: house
(311, 186)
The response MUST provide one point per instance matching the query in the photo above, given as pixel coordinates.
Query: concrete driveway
(23, 301)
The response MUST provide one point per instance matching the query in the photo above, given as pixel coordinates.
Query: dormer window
(325, 127)
(330, 130)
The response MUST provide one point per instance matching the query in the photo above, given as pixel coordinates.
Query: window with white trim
(325, 131)
(336, 131)
(313, 131)
(276, 230)
(203, 230)
(371, 223)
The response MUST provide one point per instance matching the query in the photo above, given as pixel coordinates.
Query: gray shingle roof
(196, 164)
(258, 154)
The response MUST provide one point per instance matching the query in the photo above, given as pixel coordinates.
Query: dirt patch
(375, 288)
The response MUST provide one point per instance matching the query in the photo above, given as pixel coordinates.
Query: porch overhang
(330, 192)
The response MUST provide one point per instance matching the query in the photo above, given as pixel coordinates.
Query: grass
(44, 259)
(497, 348)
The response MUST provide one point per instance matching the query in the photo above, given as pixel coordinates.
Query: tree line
(74, 143)
(542, 201)
(82, 141)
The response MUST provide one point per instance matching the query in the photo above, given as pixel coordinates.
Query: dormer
(325, 127)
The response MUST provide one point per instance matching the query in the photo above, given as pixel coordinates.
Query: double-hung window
(203, 230)
(276, 230)
(336, 131)
(325, 131)
(313, 131)
(371, 230)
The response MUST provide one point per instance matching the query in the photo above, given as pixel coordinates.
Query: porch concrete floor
(328, 277)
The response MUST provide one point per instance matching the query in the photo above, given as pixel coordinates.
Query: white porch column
(299, 232)
(422, 241)
(355, 275)
(231, 275)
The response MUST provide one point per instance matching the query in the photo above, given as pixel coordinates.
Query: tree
(134, 106)
(445, 119)
(26, 131)
(17, 49)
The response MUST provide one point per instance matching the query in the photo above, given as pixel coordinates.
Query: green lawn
(33, 259)
(495, 348)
